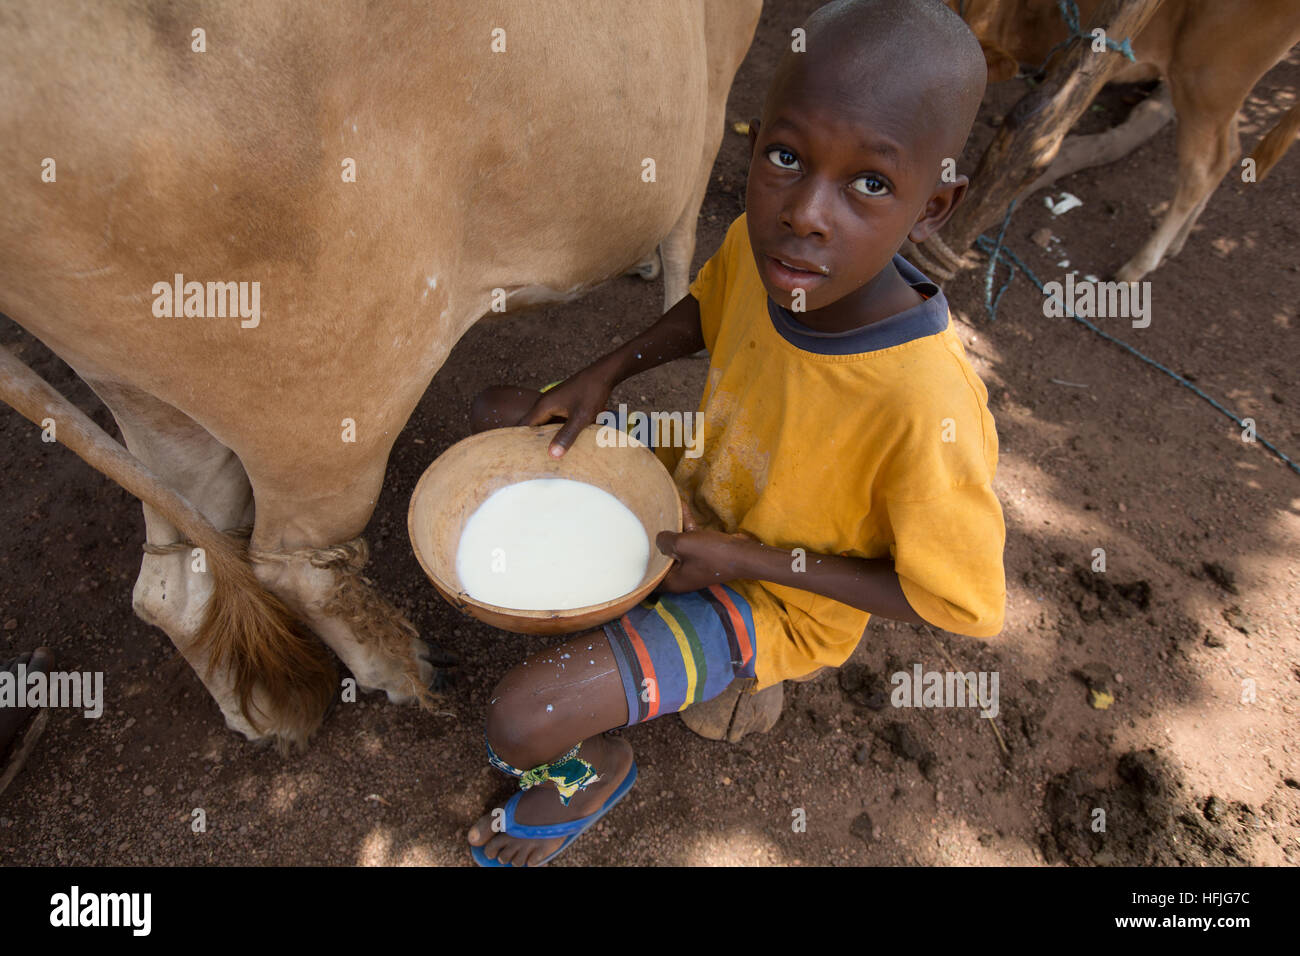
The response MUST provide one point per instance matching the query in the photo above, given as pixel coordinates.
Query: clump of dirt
(1149, 819)
(1240, 620)
(1220, 576)
(1097, 599)
(862, 827)
(907, 746)
(863, 686)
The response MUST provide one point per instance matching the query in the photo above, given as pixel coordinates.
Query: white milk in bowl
(551, 544)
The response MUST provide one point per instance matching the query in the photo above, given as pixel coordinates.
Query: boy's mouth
(788, 275)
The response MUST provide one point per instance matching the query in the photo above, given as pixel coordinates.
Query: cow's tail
(247, 631)
(1279, 139)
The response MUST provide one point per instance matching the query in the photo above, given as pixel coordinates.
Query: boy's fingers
(542, 412)
(565, 436)
(666, 542)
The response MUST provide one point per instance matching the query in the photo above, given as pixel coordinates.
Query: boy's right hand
(578, 400)
(581, 397)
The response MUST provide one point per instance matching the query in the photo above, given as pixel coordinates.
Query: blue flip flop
(571, 830)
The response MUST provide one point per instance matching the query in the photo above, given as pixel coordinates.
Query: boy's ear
(753, 134)
(938, 209)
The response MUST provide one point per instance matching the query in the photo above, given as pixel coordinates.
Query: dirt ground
(1199, 597)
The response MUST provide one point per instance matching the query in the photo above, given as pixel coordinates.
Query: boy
(841, 418)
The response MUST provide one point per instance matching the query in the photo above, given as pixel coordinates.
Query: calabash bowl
(461, 478)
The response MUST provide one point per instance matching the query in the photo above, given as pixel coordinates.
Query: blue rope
(998, 253)
(1070, 14)
(991, 302)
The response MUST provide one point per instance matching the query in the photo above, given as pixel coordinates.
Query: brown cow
(1209, 53)
(345, 189)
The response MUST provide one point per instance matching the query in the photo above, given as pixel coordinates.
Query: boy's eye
(872, 186)
(782, 158)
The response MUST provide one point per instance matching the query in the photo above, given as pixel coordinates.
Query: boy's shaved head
(856, 152)
(917, 53)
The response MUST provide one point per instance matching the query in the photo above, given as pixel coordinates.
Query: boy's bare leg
(536, 713)
(542, 707)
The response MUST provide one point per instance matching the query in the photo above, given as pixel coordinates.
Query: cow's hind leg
(1084, 152)
(170, 595)
(678, 247)
(1207, 101)
(306, 552)
(323, 584)
(171, 592)
(1207, 146)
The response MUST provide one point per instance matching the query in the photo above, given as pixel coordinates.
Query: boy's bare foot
(612, 758)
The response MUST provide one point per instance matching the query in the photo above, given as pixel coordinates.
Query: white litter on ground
(1063, 205)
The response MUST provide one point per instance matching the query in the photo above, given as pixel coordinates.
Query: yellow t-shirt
(872, 443)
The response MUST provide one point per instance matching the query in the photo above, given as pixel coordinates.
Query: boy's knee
(500, 406)
(516, 720)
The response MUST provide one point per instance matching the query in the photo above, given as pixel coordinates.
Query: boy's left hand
(703, 558)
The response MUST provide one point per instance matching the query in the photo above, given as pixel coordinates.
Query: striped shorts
(681, 649)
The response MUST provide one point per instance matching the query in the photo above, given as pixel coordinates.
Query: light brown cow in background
(519, 153)
(1209, 53)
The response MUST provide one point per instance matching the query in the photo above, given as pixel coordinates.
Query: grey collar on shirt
(927, 318)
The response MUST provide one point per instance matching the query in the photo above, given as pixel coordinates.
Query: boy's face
(837, 181)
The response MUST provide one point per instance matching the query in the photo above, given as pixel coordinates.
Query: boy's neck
(885, 295)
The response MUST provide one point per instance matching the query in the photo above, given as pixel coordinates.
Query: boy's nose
(806, 212)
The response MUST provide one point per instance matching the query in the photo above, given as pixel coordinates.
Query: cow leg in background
(1084, 152)
(1209, 82)
(730, 30)
(1208, 145)
(678, 249)
(1176, 246)
(167, 593)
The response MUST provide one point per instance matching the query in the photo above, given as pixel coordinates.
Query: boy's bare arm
(676, 335)
(583, 395)
(713, 557)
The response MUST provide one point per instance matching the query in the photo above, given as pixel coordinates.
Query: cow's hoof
(444, 679)
(435, 669)
(441, 673)
(442, 668)
(1131, 271)
(401, 695)
(436, 656)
